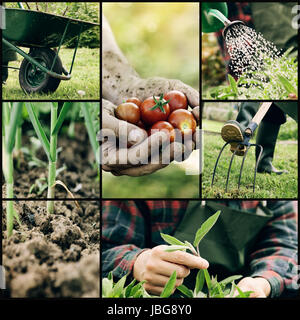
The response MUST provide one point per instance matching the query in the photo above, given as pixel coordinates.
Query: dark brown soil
(53, 255)
(80, 175)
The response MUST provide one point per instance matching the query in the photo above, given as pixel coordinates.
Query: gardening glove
(260, 287)
(134, 161)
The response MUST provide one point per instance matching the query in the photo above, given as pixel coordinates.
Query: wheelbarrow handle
(263, 109)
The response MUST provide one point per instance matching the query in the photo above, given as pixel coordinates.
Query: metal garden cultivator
(244, 145)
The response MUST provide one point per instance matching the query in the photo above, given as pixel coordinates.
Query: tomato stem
(160, 103)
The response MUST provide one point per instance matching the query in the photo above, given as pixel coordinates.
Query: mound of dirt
(53, 255)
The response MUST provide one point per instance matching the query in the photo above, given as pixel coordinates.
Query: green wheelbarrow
(43, 33)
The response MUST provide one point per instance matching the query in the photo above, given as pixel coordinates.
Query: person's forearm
(116, 70)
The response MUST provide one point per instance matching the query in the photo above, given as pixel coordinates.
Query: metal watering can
(214, 17)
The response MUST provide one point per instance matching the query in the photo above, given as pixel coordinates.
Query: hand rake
(248, 134)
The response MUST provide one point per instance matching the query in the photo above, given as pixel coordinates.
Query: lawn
(85, 78)
(267, 186)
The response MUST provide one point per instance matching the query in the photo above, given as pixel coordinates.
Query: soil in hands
(53, 255)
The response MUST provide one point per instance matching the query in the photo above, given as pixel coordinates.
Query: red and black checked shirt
(274, 255)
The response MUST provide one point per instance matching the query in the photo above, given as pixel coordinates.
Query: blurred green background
(159, 39)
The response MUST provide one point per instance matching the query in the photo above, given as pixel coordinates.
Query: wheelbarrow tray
(28, 28)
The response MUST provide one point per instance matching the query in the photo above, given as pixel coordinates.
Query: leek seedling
(11, 114)
(50, 147)
(90, 111)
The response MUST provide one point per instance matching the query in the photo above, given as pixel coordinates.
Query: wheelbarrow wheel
(32, 79)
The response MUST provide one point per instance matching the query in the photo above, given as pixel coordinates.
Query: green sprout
(11, 114)
(213, 288)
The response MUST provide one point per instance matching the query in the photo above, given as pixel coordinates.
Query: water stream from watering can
(249, 50)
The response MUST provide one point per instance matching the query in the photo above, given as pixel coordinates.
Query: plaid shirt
(274, 256)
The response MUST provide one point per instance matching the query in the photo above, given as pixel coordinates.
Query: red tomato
(129, 112)
(154, 109)
(165, 127)
(141, 125)
(183, 120)
(135, 100)
(177, 100)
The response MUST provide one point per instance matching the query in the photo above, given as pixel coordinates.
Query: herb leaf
(169, 287)
(171, 240)
(205, 227)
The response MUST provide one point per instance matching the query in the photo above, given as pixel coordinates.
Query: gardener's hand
(135, 161)
(156, 266)
(260, 286)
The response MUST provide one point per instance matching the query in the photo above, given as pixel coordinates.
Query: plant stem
(52, 161)
(18, 145)
(8, 172)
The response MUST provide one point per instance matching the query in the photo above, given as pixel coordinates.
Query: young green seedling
(11, 114)
(50, 147)
(90, 112)
(214, 289)
(133, 290)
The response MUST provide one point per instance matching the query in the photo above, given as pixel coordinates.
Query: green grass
(85, 77)
(212, 125)
(267, 186)
(170, 182)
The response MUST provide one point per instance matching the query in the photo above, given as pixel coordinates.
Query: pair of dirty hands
(138, 139)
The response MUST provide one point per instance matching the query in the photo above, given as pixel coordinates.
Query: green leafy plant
(277, 80)
(49, 146)
(111, 289)
(205, 285)
(213, 289)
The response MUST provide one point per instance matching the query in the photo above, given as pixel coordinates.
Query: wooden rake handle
(263, 109)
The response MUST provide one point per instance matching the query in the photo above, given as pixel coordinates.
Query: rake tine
(229, 168)
(257, 161)
(217, 161)
(244, 157)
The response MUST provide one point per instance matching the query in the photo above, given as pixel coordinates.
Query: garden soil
(80, 175)
(53, 255)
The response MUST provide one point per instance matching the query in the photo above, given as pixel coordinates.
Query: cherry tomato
(183, 120)
(177, 100)
(165, 127)
(129, 112)
(154, 109)
(135, 100)
(141, 125)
